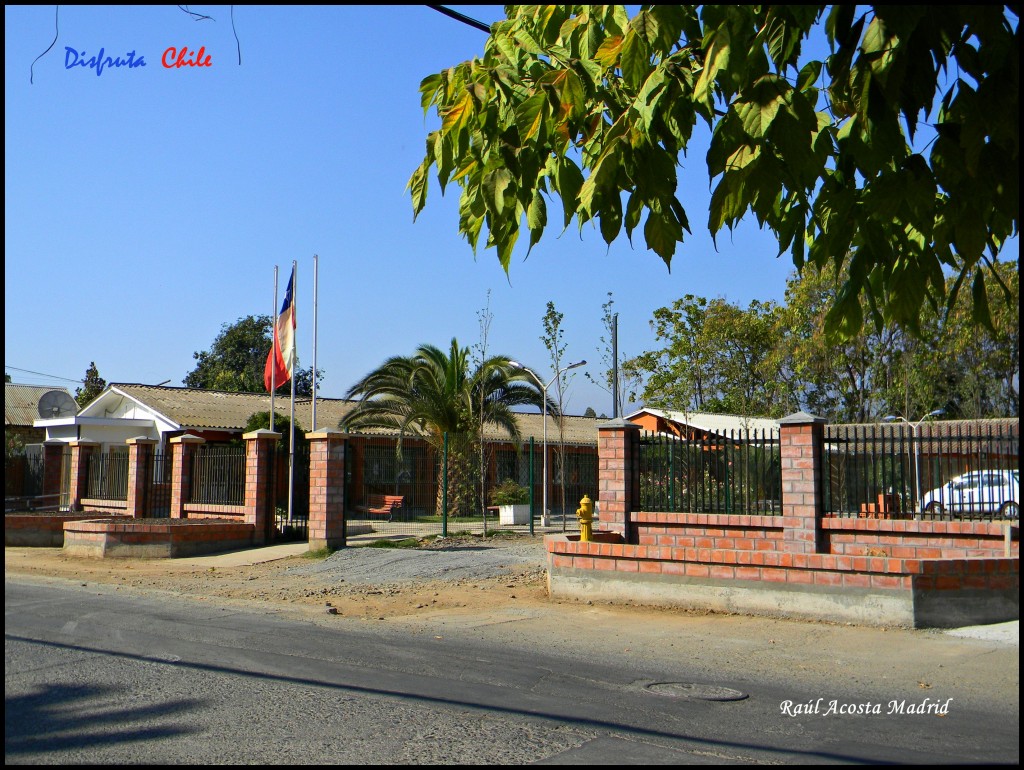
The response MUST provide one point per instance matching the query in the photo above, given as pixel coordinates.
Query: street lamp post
(917, 449)
(544, 396)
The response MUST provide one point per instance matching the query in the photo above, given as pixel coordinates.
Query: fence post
(801, 439)
(618, 463)
(53, 463)
(259, 496)
(326, 489)
(181, 475)
(81, 451)
(140, 449)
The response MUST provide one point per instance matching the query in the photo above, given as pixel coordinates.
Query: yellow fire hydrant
(585, 513)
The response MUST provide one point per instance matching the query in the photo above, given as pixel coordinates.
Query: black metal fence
(218, 475)
(108, 475)
(159, 472)
(23, 475)
(293, 523)
(942, 470)
(729, 472)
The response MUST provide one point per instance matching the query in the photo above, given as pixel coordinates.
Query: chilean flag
(281, 358)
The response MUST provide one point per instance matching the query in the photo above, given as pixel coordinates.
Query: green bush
(509, 492)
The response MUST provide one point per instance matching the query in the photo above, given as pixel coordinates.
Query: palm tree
(429, 394)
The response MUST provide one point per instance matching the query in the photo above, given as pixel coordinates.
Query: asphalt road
(93, 675)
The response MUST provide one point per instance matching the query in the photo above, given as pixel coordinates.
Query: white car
(978, 492)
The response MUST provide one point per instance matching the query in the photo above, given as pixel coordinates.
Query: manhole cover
(695, 691)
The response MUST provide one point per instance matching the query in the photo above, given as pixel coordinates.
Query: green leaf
(980, 311)
(716, 60)
(530, 117)
(636, 62)
(418, 186)
(536, 219)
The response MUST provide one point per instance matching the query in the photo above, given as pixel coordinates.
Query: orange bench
(383, 505)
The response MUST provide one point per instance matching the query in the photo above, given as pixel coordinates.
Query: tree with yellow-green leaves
(891, 160)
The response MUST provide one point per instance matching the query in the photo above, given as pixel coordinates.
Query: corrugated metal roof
(714, 423)
(21, 402)
(194, 408)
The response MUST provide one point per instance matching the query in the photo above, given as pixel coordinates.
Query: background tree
(771, 360)
(92, 386)
(553, 340)
(628, 382)
(237, 357)
(894, 158)
(717, 357)
(484, 319)
(282, 425)
(431, 393)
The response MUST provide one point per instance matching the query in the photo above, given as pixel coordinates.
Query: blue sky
(145, 207)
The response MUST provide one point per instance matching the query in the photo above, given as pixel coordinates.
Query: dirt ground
(296, 581)
(497, 592)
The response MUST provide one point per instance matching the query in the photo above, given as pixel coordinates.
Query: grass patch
(319, 553)
(409, 542)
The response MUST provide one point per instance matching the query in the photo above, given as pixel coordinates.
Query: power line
(41, 374)
(461, 17)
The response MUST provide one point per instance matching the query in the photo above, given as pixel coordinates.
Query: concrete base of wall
(154, 539)
(880, 591)
(862, 606)
(39, 530)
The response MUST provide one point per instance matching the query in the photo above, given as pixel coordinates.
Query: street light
(544, 392)
(917, 449)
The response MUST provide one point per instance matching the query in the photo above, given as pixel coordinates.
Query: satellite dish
(57, 403)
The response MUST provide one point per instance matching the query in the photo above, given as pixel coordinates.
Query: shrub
(509, 492)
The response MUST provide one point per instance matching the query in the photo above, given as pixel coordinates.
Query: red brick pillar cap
(141, 440)
(326, 433)
(263, 433)
(188, 438)
(802, 418)
(618, 423)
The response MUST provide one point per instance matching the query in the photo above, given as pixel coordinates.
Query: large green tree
(894, 157)
(716, 357)
(237, 357)
(770, 360)
(431, 393)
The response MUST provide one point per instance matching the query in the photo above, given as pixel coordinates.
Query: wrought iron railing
(108, 475)
(218, 475)
(725, 472)
(936, 470)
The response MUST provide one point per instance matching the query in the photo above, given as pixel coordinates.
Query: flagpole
(312, 421)
(273, 337)
(291, 442)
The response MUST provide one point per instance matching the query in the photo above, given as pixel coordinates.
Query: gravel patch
(436, 562)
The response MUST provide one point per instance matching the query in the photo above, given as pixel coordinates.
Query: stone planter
(514, 514)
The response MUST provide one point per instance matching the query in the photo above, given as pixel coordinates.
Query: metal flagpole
(291, 443)
(312, 421)
(273, 351)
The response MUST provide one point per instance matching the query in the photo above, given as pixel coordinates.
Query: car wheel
(934, 509)
(1010, 510)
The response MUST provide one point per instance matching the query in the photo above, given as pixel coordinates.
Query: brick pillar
(259, 473)
(618, 473)
(53, 465)
(326, 489)
(181, 473)
(140, 450)
(801, 437)
(81, 451)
